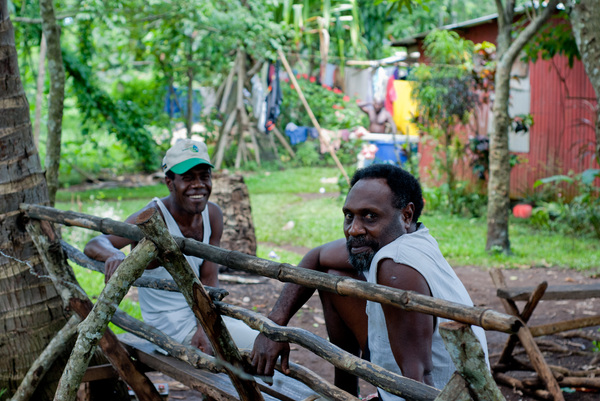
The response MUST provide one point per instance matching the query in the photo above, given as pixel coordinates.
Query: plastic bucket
(386, 155)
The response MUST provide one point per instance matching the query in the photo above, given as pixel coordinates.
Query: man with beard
(385, 241)
(187, 213)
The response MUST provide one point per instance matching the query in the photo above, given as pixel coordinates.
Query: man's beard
(360, 261)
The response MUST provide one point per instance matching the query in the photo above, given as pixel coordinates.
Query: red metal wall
(562, 138)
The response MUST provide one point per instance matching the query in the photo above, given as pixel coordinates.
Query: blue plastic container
(386, 155)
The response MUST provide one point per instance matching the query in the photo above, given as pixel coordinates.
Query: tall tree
(30, 309)
(585, 21)
(508, 49)
(56, 99)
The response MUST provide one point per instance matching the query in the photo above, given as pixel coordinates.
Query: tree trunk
(30, 309)
(499, 177)
(585, 20)
(499, 181)
(56, 99)
(40, 91)
(231, 194)
(189, 121)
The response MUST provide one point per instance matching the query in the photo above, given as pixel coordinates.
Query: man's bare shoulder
(401, 276)
(335, 254)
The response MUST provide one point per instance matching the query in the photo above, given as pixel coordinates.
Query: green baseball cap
(184, 155)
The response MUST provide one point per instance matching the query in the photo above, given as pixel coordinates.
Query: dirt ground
(576, 352)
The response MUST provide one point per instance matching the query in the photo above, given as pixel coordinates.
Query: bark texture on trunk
(585, 21)
(231, 194)
(499, 177)
(56, 99)
(30, 310)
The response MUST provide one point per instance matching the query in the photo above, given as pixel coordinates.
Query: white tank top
(420, 251)
(168, 311)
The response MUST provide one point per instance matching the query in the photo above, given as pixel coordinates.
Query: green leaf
(554, 178)
(588, 176)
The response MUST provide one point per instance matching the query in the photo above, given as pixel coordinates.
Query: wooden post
(93, 327)
(539, 364)
(228, 86)
(223, 139)
(513, 340)
(311, 114)
(244, 121)
(173, 260)
(469, 359)
(49, 248)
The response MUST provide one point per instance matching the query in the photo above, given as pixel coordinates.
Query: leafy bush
(464, 200)
(578, 216)
(332, 109)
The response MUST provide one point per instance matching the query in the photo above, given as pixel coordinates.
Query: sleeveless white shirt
(420, 251)
(168, 311)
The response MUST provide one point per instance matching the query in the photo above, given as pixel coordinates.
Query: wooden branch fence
(471, 381)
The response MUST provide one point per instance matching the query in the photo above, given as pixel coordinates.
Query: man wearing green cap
(187, 213)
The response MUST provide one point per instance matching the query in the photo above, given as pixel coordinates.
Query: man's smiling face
(192, 188)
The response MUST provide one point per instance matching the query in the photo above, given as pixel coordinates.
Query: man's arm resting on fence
(332, 255)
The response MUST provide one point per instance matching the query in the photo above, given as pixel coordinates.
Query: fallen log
(518, 385)
(553, 328)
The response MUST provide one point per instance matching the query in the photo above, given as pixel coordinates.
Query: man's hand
(265, 353)
(111, 264)
(200, 341)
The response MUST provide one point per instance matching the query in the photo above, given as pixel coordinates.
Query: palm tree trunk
(31, 312)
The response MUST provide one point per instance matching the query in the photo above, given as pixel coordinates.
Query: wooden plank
(554, 292)
(216, 385)
(100, 372)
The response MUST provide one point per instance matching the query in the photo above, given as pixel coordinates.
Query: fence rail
(153, 228)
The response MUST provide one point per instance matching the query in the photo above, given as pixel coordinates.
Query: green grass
(113, 194)
(293, 181)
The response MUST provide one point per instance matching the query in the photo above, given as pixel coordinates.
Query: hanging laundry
(358, 83)
(328, 78)
(296, 134)
(274, 98)
(380, 79)
(390, 95)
